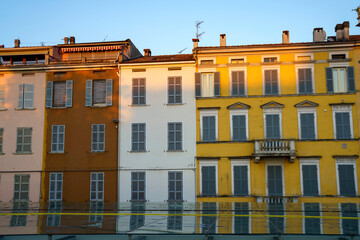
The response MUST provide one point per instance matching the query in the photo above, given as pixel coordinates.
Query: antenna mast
(197, 24)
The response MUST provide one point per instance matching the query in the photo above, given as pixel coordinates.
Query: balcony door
(275, 180)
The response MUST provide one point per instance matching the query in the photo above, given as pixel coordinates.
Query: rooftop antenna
(182, 50)
(197, 24)
(105, 38)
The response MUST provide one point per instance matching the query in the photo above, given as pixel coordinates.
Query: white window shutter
(49, 94)
(88, 93)
(69, 93)
(21, 96)
(109, 92)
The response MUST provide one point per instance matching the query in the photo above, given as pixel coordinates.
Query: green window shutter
(208, 180)
(308, 80)
(240, 180)
(69, 93)
(197, 84)
(346, 180)
(239, 128)
(272, 126)
(21, 96)
(88, 93)
(274, 181)
(310, 181)
(216, 83)
(49, 94)
(329, 80)
(350, 79)
(109, 92)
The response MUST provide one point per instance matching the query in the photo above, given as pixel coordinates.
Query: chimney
(2, 46)
(66, 40)
(285, 37)
(72, 40)
(222, 40)
(339, 29)
(17, 43)
(346, 30)
(147, 52)
(319, 35)
(196, 42)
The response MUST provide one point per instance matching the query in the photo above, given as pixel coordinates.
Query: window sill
(174, 104)
(3, 109)
(140, 151)
(57, 107)
(30, 153)
(175, 201)
(175, 151)
(270, 63)
(99, 106)
(139, 105)
(141, 201)
(2, 153)
(24, 109)
(57, 152)
(340, 60)
(94, 152)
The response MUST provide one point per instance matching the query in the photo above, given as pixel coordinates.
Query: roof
(161, 58)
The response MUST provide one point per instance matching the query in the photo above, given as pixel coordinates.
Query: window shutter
(109, 92)
(301, 73)
(197, 84)
(274, 82)
(241, 83)
(88, 93)
(329, 80)
(216, 83)
(49, 94)
(346, 125)
(69, 92)
(234, 77)
(21, 96)
(308, 80)
(206, 129)
(311, 127)
(28, 96)
(351, 79)
(240, 180)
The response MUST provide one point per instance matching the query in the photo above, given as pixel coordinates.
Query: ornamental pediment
(306, 103)
(238, 105)
(272, 104)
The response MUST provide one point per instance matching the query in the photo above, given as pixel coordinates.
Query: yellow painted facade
(325, 150)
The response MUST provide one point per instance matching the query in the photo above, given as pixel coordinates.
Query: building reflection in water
(349, 226)
(241, 225)
(96, 207)
(137, 221)
(208, 222)
(312, 225)
(54, 220)
(19, 220)
(276, 224)
(175, 223)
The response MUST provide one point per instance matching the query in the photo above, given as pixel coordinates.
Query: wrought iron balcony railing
(274, 148)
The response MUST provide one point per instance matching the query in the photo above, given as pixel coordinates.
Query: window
(55, 186)
(270, 59)
(208, 223)
(59, 94)
(208, 125)
(19, 220)
(310, 177)
(207, 62)
(21, 187)
(96, 207)
(1, 140)
(237, 60)
(175, 222)
(174, 136)
(346, 177)
(98, 93)
(26, 96)
(349, 226)
(276, 225)
(98, 137)
(342, 118)
(137, 221)
(271, 82)
(57, 138)
(139, 91)
(174, 90)
(96, 186)
(238, 86)
(312, 225)
(138, 137)
(275, 180)
(54, 220)
(23, 140)
(340, 79)
(138, 186)
(241, 183)
(239, 124)
(338, 56)
(208, 184)
(305, 82)
(272, 126)
(307, 126)
(304, 58)
(207, 84)
(175, 186)
(241, 224)
(2, 96)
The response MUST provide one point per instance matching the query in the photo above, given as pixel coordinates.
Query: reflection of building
(157, 130)
(278, 123)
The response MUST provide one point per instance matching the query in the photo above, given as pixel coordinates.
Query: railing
(278, 199)
(274, 147)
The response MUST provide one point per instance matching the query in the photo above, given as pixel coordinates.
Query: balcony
(274, 148)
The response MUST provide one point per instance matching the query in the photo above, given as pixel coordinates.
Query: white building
(157, 135)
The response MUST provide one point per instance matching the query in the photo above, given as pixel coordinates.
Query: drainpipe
(118, 137)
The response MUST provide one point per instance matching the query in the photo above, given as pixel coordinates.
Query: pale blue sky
(166, 27)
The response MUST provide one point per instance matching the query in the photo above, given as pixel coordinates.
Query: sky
(167, 27)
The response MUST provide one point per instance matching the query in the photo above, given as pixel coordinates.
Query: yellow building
(278, 123)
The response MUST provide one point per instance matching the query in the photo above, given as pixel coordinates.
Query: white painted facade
(11, 118)
(156, 161)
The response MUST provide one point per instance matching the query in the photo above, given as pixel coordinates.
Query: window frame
(57, 137)
(343, 109)
(208, 163)
(304, 219)
(310, 162)
(273, 162)
(269, 68)
(239, 112)
(304, 55)
(238, 69)
(2, 140)
(235, 163)
(174, 86)
(22, 140)
(237, 57)
(341, 222)
(175, 180)
(2, 96)
(97, 183)
(131, 138)
(56, 186)
(209, 113)
(138, 96)
(277, 56)
(234, 217)
(307, 110)
(137, 182)
(176, 132)
(346, 161)
(89, 93)
(305, 66)
(97, 143)
(21, 182)
(22, 99)
(273, 111)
